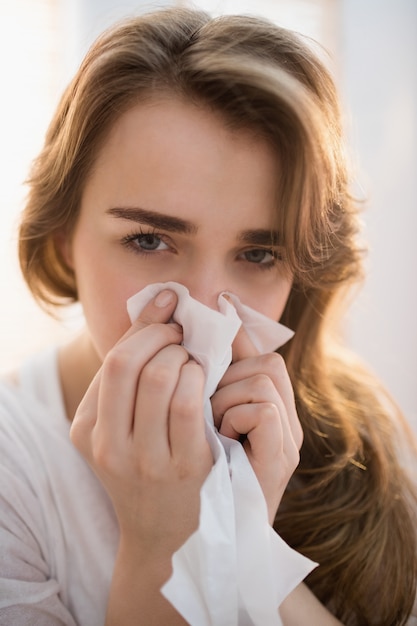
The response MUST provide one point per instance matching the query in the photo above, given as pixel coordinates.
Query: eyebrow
(260, 237)
(157, 220)
(256, 237)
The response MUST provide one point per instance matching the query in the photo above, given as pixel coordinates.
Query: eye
(145, 242)
(150, 241)
(259, 256)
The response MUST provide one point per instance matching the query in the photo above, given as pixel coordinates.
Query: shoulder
(33, 389)
(53, 510)
(34, 433)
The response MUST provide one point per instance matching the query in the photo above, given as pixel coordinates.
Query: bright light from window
(30, 67)
(314, 18)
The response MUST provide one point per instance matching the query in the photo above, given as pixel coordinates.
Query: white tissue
(234, 570)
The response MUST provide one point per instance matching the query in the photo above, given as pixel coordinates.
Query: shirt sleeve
(29, 592)
(48, 612)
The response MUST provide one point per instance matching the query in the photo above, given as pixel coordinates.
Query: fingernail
(164, 298)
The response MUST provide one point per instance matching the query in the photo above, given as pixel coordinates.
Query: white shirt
(58, 532)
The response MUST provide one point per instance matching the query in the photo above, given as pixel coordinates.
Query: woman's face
(177, 196)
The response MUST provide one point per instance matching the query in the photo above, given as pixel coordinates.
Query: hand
(255, 399)
(141, 428)
(302, 607)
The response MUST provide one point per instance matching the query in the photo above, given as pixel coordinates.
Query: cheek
(104, 305)
(103, 291)
(271, 301)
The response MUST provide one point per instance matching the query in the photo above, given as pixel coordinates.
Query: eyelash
(131, 243)
(266, 265)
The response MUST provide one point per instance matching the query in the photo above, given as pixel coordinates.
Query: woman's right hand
(141, 428)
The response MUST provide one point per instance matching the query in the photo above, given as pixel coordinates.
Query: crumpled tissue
(234, 570)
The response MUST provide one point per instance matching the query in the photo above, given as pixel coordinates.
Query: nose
(205, 284)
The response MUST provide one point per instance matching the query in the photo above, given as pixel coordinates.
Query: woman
(206, 152)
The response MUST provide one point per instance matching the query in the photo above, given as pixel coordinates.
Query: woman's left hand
(255, 398)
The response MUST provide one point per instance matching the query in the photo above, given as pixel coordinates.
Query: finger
(254, 389)
(187, 426)
(268, 440)
(242, 346)
(257, 388)
(157, 384)
(260, 422)
(273, 366)
(158, 311)
(121, 371)
(270, 448)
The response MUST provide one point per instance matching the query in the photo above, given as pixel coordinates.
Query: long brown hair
(348, 505)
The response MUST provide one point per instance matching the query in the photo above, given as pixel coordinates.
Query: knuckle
(117, 359)
(276, 367)
(273, 362)
(157, 374)
(268, 412)
(160, 327)
(104, 457)
(186, 406)
(170, 331)
(179, 352)
(260, 383)
(145, 318)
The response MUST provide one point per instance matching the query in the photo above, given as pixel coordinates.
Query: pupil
(149, 241)
(256, 255)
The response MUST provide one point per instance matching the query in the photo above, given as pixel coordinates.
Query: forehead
(172, 154)
(182, 124)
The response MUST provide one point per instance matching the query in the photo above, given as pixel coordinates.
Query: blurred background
(372, 47)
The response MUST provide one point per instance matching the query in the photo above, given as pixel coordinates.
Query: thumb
(242, 346)
(159, 310)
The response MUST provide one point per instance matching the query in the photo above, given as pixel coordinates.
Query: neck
(78, 363)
